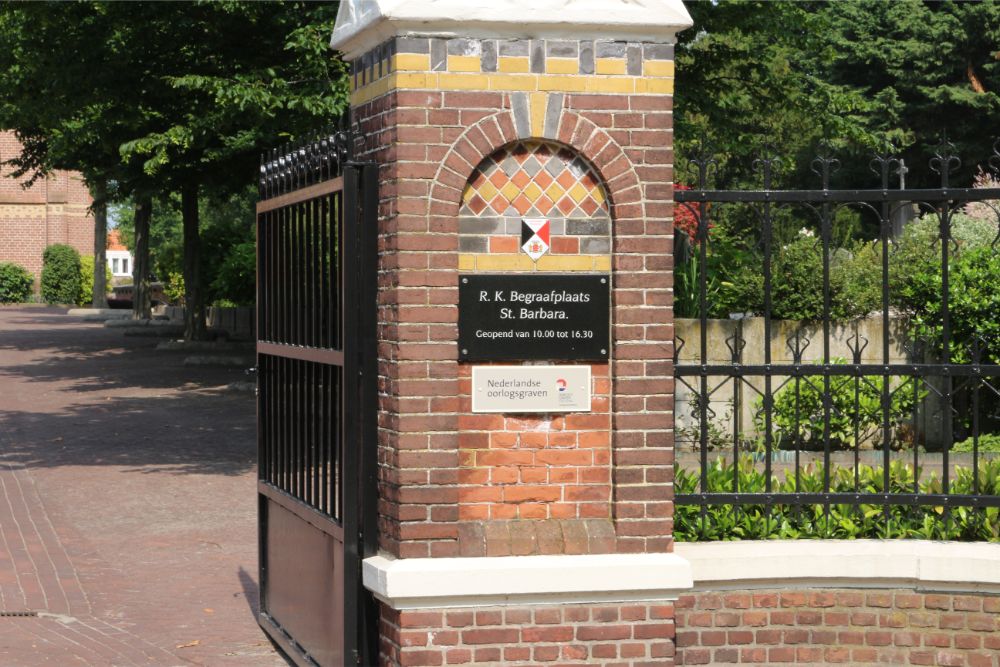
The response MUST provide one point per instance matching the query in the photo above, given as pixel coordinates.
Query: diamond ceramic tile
(578, 193)
(555, 191)
(532, 192)
(555, 167)
(488, 191)
(521, 179)
(539, 178)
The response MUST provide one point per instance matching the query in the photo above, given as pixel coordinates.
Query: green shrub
(838, 521)
(855, 410)
(15, 283)
(858, 272)
(60, 274)
(174, 288)
(86, 294)
(988, 442)
(797, 281)
(974, 302)
(968, 231)
(236, 278)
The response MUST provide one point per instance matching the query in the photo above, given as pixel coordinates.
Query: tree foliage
(159, 98)
(859, 76)
(227, 224)
(930, 67)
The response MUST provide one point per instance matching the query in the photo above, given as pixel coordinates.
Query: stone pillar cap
(363, 24)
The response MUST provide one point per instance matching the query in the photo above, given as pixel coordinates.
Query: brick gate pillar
(521, 536)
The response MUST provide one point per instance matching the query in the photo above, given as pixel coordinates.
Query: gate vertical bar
(349, 406)
(368, 317)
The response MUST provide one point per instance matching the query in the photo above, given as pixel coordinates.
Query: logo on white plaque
(535, 233)
(531, 389)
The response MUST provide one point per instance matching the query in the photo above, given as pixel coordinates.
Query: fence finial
(703, 164)
(825, 164)
(767, 164)
(945, 160)
(882, 164)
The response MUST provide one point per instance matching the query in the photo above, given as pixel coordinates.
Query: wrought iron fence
(847, 339)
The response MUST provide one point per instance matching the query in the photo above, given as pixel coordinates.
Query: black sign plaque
(504, 317)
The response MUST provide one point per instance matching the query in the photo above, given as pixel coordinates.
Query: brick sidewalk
(127, 504)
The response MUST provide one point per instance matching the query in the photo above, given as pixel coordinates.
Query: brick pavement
(127, 506)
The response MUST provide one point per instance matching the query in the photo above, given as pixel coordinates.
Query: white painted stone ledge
(363, 24)
(917, 564)
(429, 583)
(435, 583)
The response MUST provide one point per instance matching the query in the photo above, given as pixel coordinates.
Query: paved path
(127, 503)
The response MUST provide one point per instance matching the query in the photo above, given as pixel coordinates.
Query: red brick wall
(830, 626)
(427, 142)
(53, 210)
(636, 634)
(428, 112)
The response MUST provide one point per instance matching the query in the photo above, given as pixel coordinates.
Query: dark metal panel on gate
(305, 569)
(315, 229)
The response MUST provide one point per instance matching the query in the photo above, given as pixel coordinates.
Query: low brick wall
(822, 602)
(882, 627)
(629, 634)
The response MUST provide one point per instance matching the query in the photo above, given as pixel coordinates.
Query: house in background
(119, 257)
(55, 209)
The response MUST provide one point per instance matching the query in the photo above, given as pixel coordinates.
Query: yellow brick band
(22, 210)
(414, 62)
(658, 68)
(609, 66)
(383, 69)
(464, 64)
(511, 64)
(583, 83)
(513, 82)
(377, 89)
(448, 81)
(614, 85)
(570, 84)
(655, 86)
(562, 66)
(521, 262)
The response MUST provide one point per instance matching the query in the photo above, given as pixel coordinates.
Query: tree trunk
(194, 304)
(141, 306)
(99, 191)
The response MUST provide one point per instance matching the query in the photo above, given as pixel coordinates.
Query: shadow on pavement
(193, 432)
(75, 393)
(251, 591)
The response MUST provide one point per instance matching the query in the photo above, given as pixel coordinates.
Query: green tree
(248, 74)
(930, 68)
(166, 97)
(69, 113)
(227, 228)
(862, 74)
(751, 74)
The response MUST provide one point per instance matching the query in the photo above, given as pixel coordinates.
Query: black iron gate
(316, 236)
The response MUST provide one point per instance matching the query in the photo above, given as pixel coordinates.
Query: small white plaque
(531, 388)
